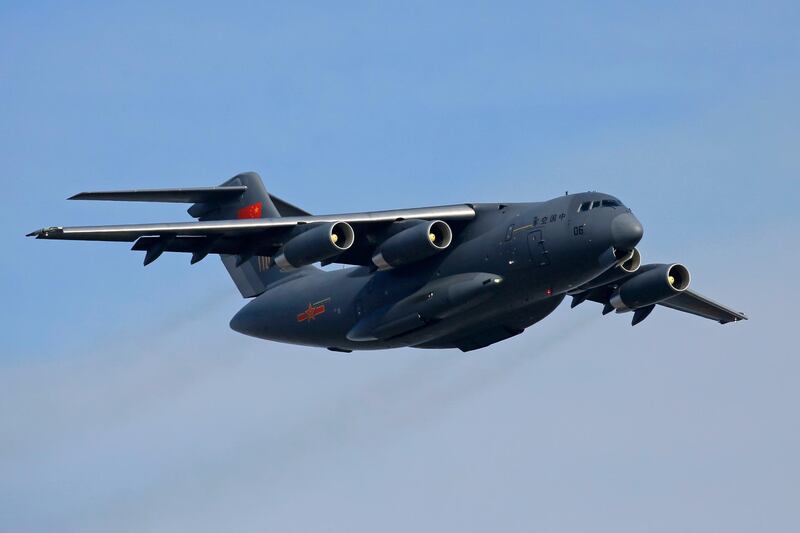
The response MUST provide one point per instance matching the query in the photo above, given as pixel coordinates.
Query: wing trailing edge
(246, 238)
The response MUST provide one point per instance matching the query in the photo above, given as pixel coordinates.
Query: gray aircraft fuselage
(506, 269)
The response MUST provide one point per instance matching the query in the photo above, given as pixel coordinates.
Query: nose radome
(626, 230)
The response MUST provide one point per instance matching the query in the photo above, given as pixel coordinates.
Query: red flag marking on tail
(250, 211)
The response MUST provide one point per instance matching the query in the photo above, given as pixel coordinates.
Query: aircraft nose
(626, 230)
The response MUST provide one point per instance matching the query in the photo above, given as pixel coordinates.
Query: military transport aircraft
(459, 276)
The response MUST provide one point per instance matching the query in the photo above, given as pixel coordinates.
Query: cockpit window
(585, 206)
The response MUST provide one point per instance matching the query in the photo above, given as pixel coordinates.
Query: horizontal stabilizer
(181, 196)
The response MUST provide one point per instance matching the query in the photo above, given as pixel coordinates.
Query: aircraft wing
(245, 237)
(697, 304)
(687, 301)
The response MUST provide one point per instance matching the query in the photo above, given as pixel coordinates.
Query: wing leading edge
(131, 232)
(697, 304)
(246, 237)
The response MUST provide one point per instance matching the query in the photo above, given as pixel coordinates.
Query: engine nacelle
(632, 263)
(315, 244)
(625, 264)
(420, 241)
(651, 286)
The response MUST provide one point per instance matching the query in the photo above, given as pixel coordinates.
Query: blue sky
(129, 404)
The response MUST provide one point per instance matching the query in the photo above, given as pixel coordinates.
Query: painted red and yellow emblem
(312, 311)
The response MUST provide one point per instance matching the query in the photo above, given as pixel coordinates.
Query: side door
(537, 248)
(509, 248)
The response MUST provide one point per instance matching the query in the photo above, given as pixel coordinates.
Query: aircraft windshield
(585, 206)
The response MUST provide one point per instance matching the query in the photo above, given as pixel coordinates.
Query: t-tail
(241, 197)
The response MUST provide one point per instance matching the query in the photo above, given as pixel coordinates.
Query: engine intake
(632, 263)
(315, 244)
(420, 241)
(651, 286)
(626, 263)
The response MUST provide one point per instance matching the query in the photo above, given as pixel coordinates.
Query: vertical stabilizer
(253, 203)
(251, 274)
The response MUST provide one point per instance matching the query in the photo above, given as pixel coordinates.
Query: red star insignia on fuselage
(311, 312)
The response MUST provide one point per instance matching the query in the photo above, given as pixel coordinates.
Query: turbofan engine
(631, 262)
(626, 263)
(650, 287)
(315, 244)
(423, 239)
